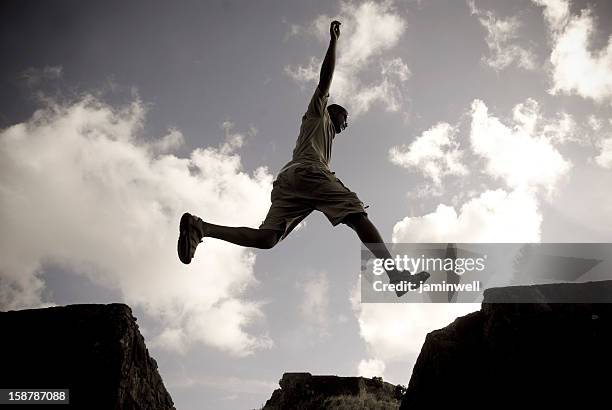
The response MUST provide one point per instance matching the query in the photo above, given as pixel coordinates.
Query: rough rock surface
(307, 392)
(546, 355)
(96, 351)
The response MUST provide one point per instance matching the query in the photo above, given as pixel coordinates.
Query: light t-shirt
(314, 143)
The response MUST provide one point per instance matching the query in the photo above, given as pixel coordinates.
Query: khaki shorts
(301, 189)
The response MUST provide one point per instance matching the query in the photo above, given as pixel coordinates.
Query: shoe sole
(183, 241)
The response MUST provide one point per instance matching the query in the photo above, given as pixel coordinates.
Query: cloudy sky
(477, 120)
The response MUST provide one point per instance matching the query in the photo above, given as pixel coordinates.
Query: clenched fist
(334, 30)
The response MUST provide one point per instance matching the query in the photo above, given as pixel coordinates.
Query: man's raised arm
(329, 63)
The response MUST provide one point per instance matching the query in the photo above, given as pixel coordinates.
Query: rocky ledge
(548, 355)
(307, 392)
(96, 351)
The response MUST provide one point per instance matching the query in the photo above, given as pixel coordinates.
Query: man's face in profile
(339, 119)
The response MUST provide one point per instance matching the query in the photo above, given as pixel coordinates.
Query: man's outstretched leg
(370, 237)
(193, 229)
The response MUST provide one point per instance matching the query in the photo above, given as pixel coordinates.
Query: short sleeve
(317, 105)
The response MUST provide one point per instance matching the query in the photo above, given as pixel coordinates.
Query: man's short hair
(336, 108)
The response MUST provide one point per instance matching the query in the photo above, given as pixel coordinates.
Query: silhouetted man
(304, 184)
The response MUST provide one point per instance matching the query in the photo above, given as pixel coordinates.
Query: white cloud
(81, 189)
(386, 92)
(577, 69)
(601, 140)
(424, 190)
(395, 332)
(435, 153)
(396, 67)
(371, 368)
(171, 339)
(502, 35)
(564, 129)
(315, 303)
(526, 115)
(531, 122)
(305, 74)
(369, 30)
(594, 123)
(604, 159)
(169, 142)
(523, 156)
(494, 216)
(521, 159)
(530, 140)
(556, 12)
(377, 28)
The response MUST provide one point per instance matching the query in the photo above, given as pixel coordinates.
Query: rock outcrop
(532, 355)
(96, 351)
(307, 392)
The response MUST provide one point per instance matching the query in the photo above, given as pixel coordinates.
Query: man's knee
(352, 220)
(269, 238)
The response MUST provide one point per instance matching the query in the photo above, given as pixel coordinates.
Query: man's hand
(334, 30)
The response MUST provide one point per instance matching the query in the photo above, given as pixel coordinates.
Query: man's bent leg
(243, 236)
(192, 229)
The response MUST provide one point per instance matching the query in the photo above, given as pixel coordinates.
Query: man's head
(338, 116)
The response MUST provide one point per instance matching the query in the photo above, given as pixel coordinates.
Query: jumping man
(304, 184)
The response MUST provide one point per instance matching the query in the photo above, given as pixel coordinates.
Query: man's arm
(329, 63)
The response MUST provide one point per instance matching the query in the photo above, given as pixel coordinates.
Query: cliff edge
(520, 354)
(96, 351)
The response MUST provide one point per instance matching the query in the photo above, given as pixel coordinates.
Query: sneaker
(396, 277)
(190, 236)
